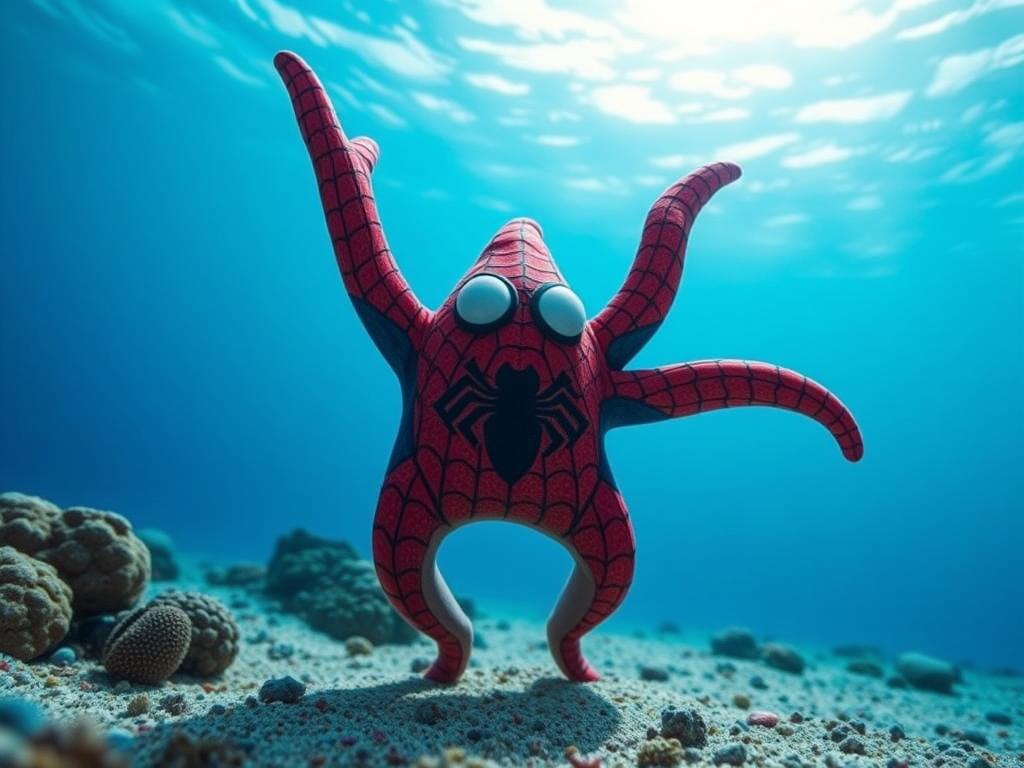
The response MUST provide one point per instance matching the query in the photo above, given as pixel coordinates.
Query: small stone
(1000, 718)
(286, 689)
(419, 664)
(757, 682)
(927, 672)
(657, 674)
(280, 651)
(783, 657)
(733, 753)
(796, 717)
(63, 657)
(859, 726)
(865, 667)
(684, 725)
(896, 732)
(174, 703)
(358, 646)
(659, 752)
(692, 755)
(428, 713)
(139, 705)
(897, 762)
(763, 719)
(217, 709)
(976, 737)
(978, 762)
(741, 700)
(23, 717)
(785, 730)
(737, 642)
(851, 745)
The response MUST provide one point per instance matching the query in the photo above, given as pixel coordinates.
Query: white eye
(485, 301)
(560, 311)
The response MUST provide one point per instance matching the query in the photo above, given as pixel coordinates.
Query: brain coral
(149, 644)
(100, 558)
(26, 522)
(35, 605)
(214, 632)
(326, 583)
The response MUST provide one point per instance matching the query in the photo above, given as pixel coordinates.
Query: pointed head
(516, 282)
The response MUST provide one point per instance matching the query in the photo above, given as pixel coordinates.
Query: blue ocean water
(177, 346)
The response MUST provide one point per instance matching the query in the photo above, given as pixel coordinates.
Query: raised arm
(383, 299)
(688, 388)
(636, 311)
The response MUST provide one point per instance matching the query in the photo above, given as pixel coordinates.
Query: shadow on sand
(396, 722)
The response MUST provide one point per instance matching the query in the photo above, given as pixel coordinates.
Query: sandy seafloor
(512, 708)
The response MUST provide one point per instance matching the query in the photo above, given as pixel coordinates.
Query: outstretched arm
(688, 388)
(636, 311)
(384, 300)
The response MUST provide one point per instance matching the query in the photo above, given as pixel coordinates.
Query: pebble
(976, 737)
(764, 719)
(896, 732)
(796, 717)
(1000, 718)
(358, 646)
(927, 672)
(428, 713)
(898, 762)
(851, 745)
(978, 762)
(139, 705)
(174, 703)
(658, 674)
(757, 682)
(741, 700)
(692, 755)
(684, 725)
(63, 657)
(217, 709)
(737, 642)
(733, 753)
(783, 657)
(286, 689)
(280, 651)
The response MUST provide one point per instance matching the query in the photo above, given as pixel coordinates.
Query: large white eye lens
(484, 300)
(561, 311)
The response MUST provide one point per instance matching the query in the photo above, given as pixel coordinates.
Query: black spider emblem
(516, 414)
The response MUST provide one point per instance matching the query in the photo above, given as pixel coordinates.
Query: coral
(214, 632)
(149, 644)
(100, 558)
(35, 605)
(26, 522)
(164, 565)
(326, 583)
(660, 752)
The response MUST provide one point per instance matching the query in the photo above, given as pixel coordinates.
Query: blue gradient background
(176, 344)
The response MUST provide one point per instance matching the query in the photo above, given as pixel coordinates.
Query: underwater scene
(346, 349)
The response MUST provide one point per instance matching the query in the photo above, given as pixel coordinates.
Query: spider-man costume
(508, 390)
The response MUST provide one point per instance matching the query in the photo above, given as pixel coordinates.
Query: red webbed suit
(508, 390)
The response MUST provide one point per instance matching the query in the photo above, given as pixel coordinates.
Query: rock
(286, 689)
(148, 645)
(927, 673)
(736, 642)
(999, 718)
(741, 700)
(174, 704)
(865, 667)
(280, 651)
(684, 725)
(692, 755)
(851, 745)
(326, 584)
(657, 674)
(214, 644)
(91, 633)
(896, 732)
(428, 713)
(163, 563)
(659, 752)
(358, 646)
(977, 762)
(733, 753)
(139, 705)
(35, 606)
(783, 657)
(237, 575)
(976, 737)
(763, 719)
(896, 682)
(757, 682)
(63, 657)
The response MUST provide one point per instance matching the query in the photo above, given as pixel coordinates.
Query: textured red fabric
(445, 470)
